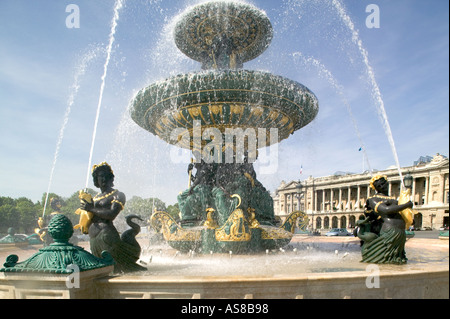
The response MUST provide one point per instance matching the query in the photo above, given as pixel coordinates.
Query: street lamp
(408, 181)
(298, 195)
(299, 187)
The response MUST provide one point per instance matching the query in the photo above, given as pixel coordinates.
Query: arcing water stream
(376, 93)
(76, 86)
(81, 70)
(323, 71)
(117, 7)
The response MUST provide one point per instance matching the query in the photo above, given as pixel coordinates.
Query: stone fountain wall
(426, 283)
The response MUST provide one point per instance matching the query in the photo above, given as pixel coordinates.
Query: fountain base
(312, 271)
(237, 235)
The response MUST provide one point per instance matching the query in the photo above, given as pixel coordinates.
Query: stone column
(427, 189)
(331, 200)
(349, 192)
(358, 197)
(315, 201)
(340, 198)
(323, 200)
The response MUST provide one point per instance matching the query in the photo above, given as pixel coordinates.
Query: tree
(174, 211)
(141, 207)
(8, 215)
(27, 214)
(21, 214)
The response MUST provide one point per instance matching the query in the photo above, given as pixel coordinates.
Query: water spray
(323, 71)
(118, 6)
(74, 92)
(376, 93)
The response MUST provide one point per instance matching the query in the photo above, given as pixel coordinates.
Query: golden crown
(100, 165)
(375, 178)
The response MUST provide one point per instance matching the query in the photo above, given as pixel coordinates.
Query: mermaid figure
(383, 231)
(105, 207)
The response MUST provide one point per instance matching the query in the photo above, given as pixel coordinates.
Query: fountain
(12, 240)
(226, 245)
(223, 114)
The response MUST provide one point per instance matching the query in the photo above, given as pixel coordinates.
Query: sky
(51, 78)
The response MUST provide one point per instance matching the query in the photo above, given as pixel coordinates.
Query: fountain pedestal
(237, 234)
(60, 270)
(52, 286)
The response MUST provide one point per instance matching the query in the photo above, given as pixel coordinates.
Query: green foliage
(143, 207)
(174, 211)
(22, 213)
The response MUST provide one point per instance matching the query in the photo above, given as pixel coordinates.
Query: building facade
(338, 201)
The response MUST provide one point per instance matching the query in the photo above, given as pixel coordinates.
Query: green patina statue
(102, 210)
(226, 208)
(383, 231)
(224, 188)
(11, 238)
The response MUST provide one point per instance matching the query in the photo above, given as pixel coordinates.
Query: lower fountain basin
(313, 271)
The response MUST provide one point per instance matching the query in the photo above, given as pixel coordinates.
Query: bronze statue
(104, 208)
(383, 231)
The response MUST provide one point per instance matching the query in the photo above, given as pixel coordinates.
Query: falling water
(323, 71)
(118, 6)
(81, 70)
(375, 89)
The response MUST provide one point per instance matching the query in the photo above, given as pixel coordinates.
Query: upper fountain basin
(210, 29)
(224, 99)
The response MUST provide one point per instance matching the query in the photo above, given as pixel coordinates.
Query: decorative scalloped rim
(165, 98)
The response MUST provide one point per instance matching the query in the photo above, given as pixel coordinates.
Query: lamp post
(408, 181)
(300, 194)
(406, 194)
